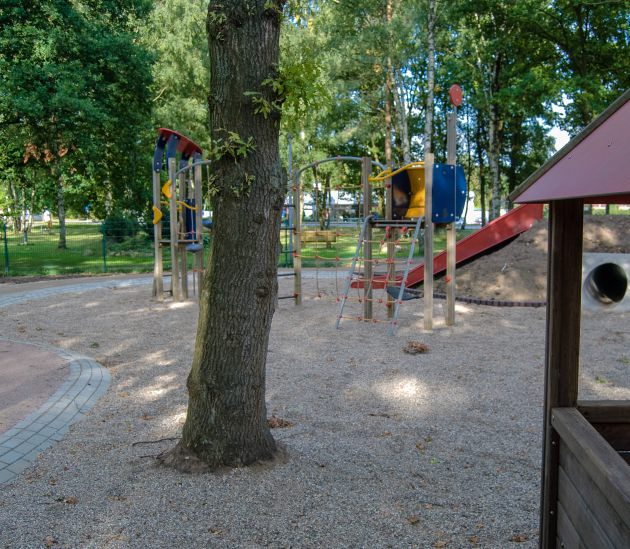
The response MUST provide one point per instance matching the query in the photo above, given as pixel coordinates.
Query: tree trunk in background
(226, 423)
(402, 122)
(516, 147)
(494, 142)
(428, 124)
(482, 174)
(61, 209)
(388, 92)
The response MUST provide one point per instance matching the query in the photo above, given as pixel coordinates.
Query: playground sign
(456, 95)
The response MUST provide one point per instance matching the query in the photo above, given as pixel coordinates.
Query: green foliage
(118, 227)
(75, 97)
(176, 33)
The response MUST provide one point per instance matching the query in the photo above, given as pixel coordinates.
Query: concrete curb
(20, 445)
(87, 382)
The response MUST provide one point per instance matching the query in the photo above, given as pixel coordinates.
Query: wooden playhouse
(585, 473)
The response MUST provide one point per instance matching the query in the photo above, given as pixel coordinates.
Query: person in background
(47, 220)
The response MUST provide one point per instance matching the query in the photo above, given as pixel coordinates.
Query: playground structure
(181, 195)
(386, 261)
(585, 500)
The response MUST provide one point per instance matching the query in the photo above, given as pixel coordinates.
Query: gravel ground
(387, 449)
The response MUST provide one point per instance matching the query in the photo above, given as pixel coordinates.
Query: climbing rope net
(361, 268)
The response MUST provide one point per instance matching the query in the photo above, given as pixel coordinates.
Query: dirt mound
(518, 271)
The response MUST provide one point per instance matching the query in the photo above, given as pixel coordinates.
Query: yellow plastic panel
(416, 204)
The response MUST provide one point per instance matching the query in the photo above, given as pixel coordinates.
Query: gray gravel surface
(387, 449)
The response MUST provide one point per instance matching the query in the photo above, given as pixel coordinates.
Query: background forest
(84, 84)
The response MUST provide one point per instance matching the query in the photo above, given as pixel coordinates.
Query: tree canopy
(86, 83)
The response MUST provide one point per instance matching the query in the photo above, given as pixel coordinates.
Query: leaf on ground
(71, 500)
(278, 423)
(216, 531)
(519, 538)
(420, 446)
(49, 541)
(415, 348)
(123, 394)
(413, 519)
(474, 540)
(146, 416)
(440, 543)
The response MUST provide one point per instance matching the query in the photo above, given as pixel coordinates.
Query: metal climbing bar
(403, 282)
(344, 295)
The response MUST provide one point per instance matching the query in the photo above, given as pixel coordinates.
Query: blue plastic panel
(449, 192)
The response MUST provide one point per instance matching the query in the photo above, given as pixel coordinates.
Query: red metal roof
(185, 145)
(595, 165)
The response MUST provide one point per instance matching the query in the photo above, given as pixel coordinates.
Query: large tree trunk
(226, 424)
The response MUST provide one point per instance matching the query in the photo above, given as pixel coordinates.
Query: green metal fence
(91, 247)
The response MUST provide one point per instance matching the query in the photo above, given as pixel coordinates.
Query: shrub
(118, 227)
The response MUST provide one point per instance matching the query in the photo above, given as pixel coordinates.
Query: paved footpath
(88, 380)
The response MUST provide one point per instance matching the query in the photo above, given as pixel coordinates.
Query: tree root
(185, 461)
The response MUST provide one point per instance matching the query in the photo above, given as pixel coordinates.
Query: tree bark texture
(494, 140)
(428, 123)
(402, 121)
(226, 424)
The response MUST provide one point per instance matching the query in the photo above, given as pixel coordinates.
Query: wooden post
(391, 236)
(297, 241)
(451, 235)
(181, 247)
(366, 170)
(158, 282)
(428, 241)
(176, 289)
(199, 262)
(562, 351)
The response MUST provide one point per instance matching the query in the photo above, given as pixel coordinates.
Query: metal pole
(428, 241)
(104, 247)
(366, 169)
(6, 250)
(451, 235)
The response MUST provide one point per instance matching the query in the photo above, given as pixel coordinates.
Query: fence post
(104, 247)
(6, 249)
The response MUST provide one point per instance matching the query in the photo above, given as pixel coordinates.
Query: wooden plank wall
(593, 487)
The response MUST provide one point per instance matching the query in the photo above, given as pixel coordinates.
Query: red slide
(503, 228)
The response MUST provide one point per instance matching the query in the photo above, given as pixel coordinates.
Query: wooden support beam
(451, 234)
(158, 280)
(366, 170)
(176, 288)
(183, 256)
(199, 256)
(297, 240)
(564, 285)
(428, 241)
(392, 236)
